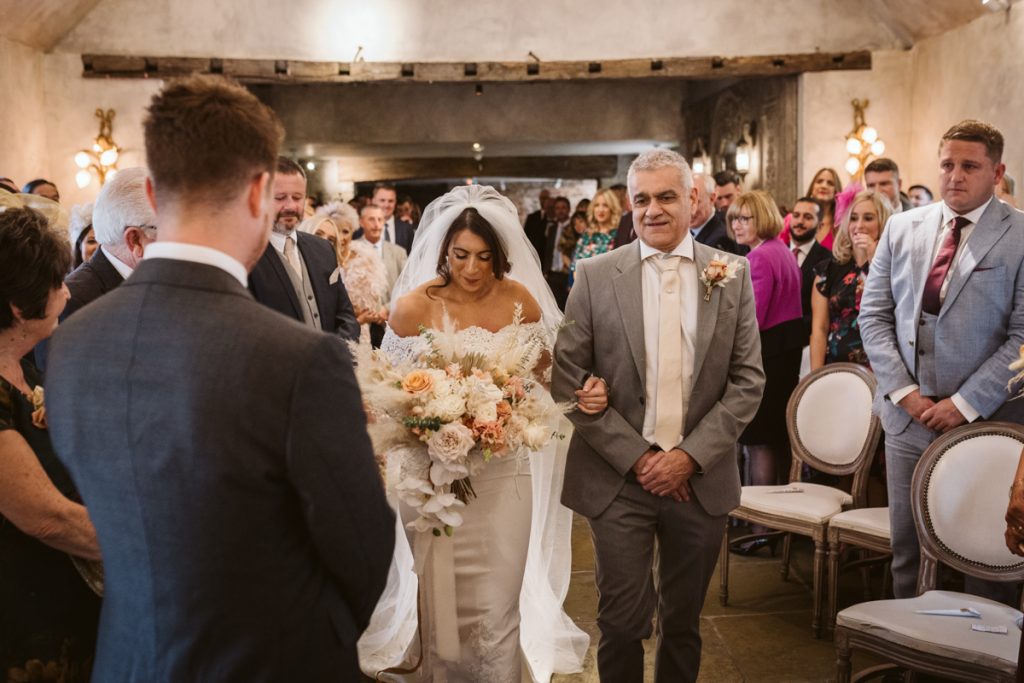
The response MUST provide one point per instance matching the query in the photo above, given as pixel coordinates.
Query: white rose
(451, 443)
(485, 411)
(448, 408)
(536, 436)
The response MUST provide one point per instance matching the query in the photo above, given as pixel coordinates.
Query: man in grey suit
(371, 222)
(942, 316)
(685, 377)
(220, 447)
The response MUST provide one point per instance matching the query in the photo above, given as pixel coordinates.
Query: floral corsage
(718, 273)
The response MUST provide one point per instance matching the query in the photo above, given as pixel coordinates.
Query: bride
(491, 594)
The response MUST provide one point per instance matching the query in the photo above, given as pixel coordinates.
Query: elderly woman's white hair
(122, 203)
(341, 213)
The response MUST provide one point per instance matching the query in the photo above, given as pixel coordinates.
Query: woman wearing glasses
(756, 222)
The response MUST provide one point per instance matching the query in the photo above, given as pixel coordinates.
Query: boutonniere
(38, 408)
(718, 273)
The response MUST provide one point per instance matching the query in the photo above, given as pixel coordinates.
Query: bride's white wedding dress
(508, 629)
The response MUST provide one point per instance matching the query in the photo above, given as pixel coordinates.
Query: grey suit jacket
(394, 258)
(223, 457)
(980, 326)
(605, 337)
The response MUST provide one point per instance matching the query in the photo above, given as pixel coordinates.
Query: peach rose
(417, 382)
(717, 270)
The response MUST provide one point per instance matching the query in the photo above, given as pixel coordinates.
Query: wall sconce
(862, 143)
(102, 158)
(478, 151)
(701, 160)
(745, 150)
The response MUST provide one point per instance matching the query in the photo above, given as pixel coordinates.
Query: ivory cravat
(931, 300)
(668, 424)
(291, 255)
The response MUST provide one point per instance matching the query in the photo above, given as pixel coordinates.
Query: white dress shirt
(194, 253)
(389, 230)
(801, 250)
(965, 408)
(122, 268)
(651, 284)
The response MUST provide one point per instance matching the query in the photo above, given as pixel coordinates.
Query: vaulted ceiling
(321, 29)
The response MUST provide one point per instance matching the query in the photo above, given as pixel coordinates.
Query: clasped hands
(940, 417)
(666, 473)
(1014, 534)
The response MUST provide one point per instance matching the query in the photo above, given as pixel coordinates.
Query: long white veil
(552, 643)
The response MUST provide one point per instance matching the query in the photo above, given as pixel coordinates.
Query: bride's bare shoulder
(412, 310)
(517, 293)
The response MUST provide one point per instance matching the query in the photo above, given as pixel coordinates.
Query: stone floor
(764, 635)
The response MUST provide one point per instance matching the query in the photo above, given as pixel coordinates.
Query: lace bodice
(402, 349)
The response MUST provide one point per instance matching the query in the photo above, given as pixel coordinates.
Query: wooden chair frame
(858, 467)
(934, 552)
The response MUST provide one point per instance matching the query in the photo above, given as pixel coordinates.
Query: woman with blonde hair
(756, 222)
(361, 268)
(603, 216)
(839, 283)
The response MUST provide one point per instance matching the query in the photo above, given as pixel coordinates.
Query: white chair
(832, 429)
(959, 503)
(866, 528)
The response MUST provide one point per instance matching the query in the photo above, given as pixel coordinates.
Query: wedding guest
(48, 614)
(43, 188)
(296, 275)
(393, 257)
(569, 238)
(602, 225)
(883, 175)
(409, 211)
(325, 228)
(707, 225)
(824, 187)
(920, 195)
(804, 220)
(839, 283)
(396, 230)
(942, 317)
(536, 224)
(1005, 190)
(245, 532)
(581, 206)
(83, 237)
(757, 223)
(556, 273)
(625, 234)
(728, 186)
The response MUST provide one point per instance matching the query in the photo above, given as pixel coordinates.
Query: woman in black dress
(48, 615)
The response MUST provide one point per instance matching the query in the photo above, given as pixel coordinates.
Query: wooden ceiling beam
(293, 71)
(580, 167)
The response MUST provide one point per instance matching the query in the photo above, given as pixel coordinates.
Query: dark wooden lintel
(580, 167)
(294, 71)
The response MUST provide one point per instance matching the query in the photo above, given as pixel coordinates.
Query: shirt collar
(194, 253)
(122, 268)
(277, 239)
(804, 248)
(684, 248)
(949, 214)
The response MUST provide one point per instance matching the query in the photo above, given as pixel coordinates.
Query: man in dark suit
(396, 230)
(555, 270)
(221, 451)
(808, 252)
(536, 224)
(706, 225)
(625, 234)
(883, 175)
(298, 272)
(123, 223)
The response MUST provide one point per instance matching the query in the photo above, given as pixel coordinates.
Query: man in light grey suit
(371, 221)
(942, 316)
(685, 377)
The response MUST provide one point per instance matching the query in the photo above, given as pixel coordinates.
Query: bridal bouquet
(451, 411)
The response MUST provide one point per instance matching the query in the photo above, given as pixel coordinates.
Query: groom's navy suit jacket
(222, 455)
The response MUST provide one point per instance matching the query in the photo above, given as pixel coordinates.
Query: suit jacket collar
(186, 275)
(105, 271)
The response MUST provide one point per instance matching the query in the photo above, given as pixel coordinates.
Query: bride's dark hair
(470, 219)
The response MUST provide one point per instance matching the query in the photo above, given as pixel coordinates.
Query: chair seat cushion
(814, 504)
(949, 637)
(872, 521)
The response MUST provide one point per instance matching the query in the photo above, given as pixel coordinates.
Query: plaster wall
(826, 115)
(71, 124)
(23, 153)
(972, 72)
(456, 30)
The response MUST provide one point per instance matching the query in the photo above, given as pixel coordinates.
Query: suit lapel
(629, 295)
(924, 232)
(275, 264)
(707, 311)
(993, 225)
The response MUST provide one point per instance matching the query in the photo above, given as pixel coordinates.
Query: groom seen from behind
(221, 447)
(682, 361)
